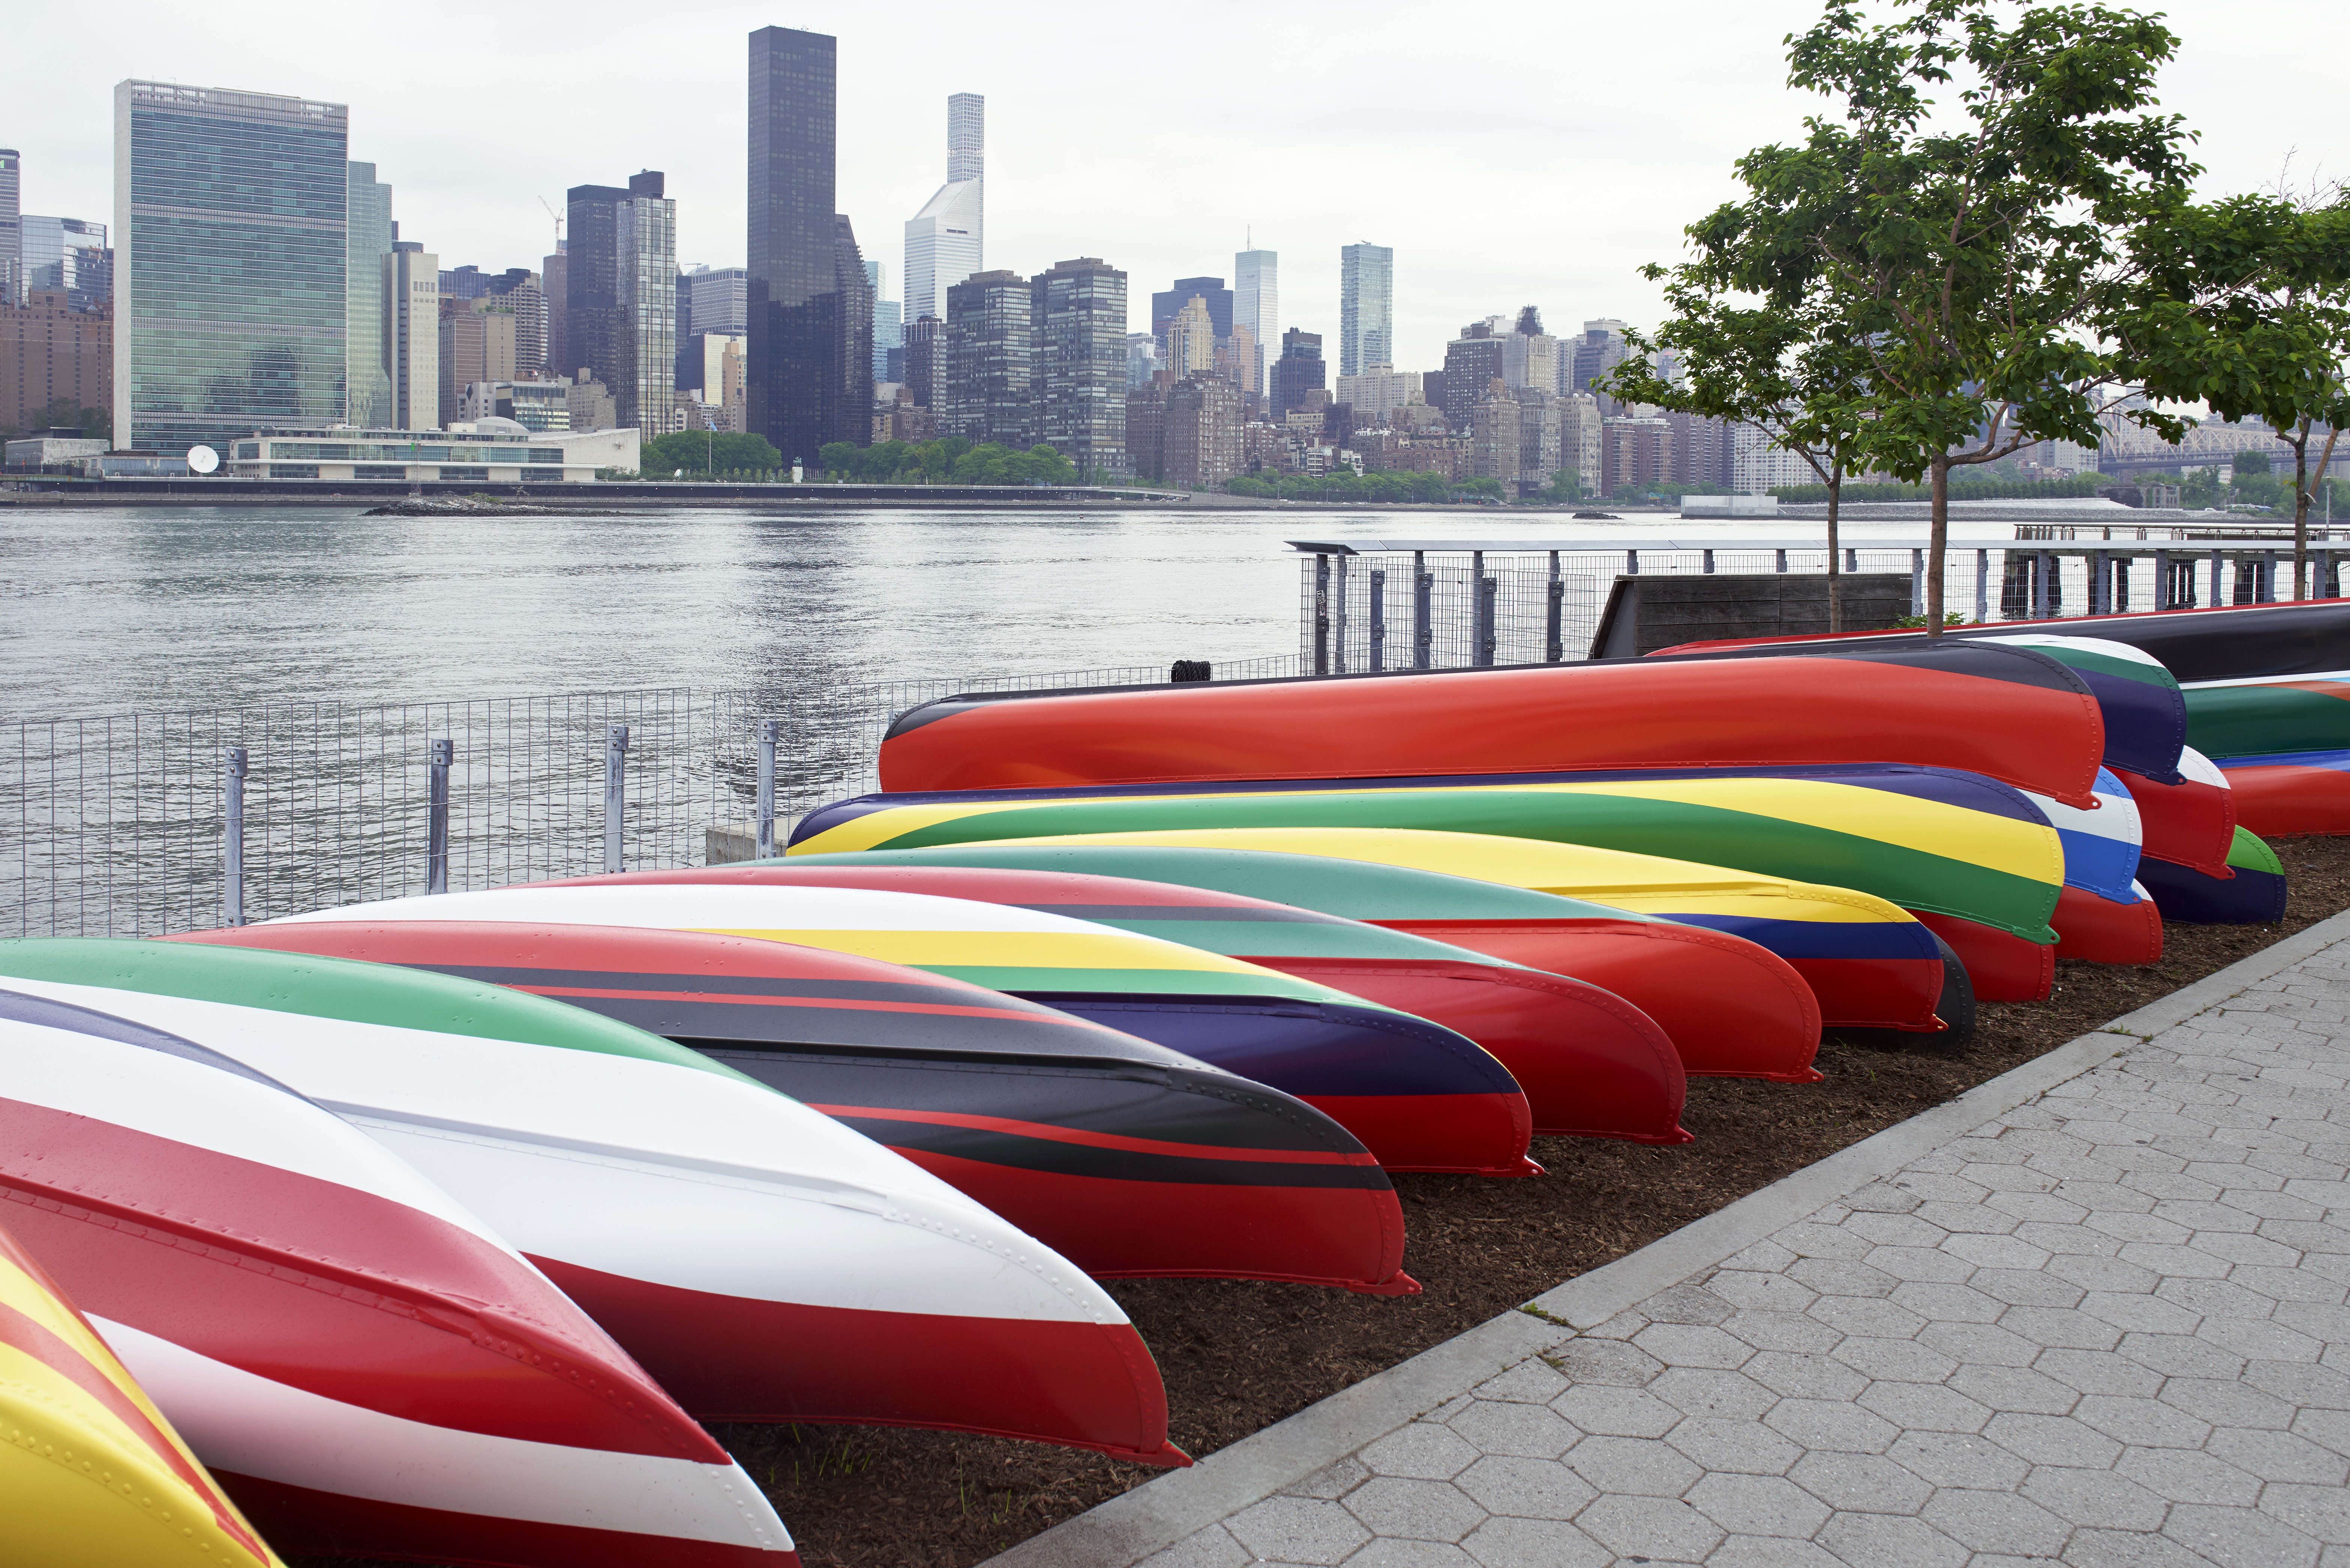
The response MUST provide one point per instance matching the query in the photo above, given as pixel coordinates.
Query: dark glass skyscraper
(621, 288)
(810, 376)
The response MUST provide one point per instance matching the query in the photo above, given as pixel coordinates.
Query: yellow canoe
(91, 1476)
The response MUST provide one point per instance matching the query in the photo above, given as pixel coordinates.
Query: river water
(146, 608)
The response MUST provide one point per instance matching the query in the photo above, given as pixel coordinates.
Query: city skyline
(1616, 178)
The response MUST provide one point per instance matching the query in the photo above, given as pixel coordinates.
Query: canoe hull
(2285, 794)
(2102, 930)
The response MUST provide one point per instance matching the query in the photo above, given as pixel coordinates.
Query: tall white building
(1377, 392)
(411, 336)
(1366, 307)
(1758, 465)
(1256, 301)
(946, 241)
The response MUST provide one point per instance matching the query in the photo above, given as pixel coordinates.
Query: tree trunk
(1937, 542)
(2301, 515)
(1836, 563)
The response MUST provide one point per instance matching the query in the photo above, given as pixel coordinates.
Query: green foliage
(1982, 490)
(705, 455)
(949, 462)
(1907, 622)
(2251, 464)
(64, 413)
(1379, 485)
(1566, 487)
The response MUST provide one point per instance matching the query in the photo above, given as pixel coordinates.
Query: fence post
(616, 756)
(2266, 593)
(1782, 567)
(1708, 562)
(1554, 616)
(1423, 628)
(2100, 581)
(765, 843)
(1489, 591)
(233, 841)
(2162, 586)
(1982, 586)
(1338, 620)
(1321, 614)
(2216, 600)
(1917, 582)
(1378, 617)
(436, 822)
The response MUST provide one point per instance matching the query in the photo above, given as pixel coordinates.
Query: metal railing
(143, 823)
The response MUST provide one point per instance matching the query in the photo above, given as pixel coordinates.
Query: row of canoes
(435, 1227)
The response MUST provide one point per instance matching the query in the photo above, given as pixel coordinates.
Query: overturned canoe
(2008, 713)
(2191, 823)
(2232, 642)
(2098, 929)
(2283, 794)
(374, 1372)
(1731, 1007)
(760, 1259)
(1124, 1157)
(1571, 1046)
(1925, 838)
(1417, 1095)
(1870, 964)
(2265, 714)
(93, 1475)
(2252, 893)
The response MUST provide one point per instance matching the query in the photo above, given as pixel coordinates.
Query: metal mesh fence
(124, 826)
(1445, 609)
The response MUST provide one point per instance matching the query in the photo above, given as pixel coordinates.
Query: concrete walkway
(2093, 1312)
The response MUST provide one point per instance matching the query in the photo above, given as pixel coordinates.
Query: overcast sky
(1512, 152)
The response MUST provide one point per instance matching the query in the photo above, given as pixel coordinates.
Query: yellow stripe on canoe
(83, 1489)
(1004, 949)
(1618, 877)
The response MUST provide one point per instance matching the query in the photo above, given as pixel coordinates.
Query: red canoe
(2008, 713)
(1125, 1157)
(1590, 1063)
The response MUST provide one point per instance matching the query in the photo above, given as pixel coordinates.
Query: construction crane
(558, 221)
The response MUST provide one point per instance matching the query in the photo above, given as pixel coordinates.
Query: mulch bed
(1239, 1355)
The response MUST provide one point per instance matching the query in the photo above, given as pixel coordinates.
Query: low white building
(485, 452)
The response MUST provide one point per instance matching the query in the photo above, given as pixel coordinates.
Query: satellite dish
(203, 459)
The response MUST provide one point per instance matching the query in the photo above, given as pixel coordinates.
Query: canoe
(1123, 1157)
(93, 1476)
(2008, 713)
(1731, 1007)
(2099, 930)
(1775, 1035)
(366, 1367)
(2190, 823)
(2283, 794)
(1930, 840)
(2251, 894)
(761, 1260)
(2138, 699)
(1870, 965)
(1564, 1040)
(1417, 1095)
(2269, 713)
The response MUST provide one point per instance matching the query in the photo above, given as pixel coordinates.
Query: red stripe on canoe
(321, 1287)
(718, 993)
(1052, 1134)
(2189, 823)
(1081, 1385)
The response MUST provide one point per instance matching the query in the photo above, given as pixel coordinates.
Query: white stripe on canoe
(2106, 646)
(239, 1421)
(2265, 680)
(2196, 768)
(689, 904)
(171, 1098)
(644, 1168)
(2115, 817)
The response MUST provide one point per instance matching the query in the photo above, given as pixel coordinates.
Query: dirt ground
(1239, 1355)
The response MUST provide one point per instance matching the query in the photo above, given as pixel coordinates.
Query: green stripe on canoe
(1297, 939)
(345, 989)
(1711, 835)
(1177, 983)
(2153, 675)
(2247, 721)
(1356, 889)
(2251, 853)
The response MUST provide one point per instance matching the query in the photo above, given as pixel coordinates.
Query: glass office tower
(1366, 308)
(367, 395)
(230, 230)
(12, 239)
(810, 376)
(621, 293)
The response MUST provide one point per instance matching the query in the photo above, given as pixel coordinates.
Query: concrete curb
(1124, 1530)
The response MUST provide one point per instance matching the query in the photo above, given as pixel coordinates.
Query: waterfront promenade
(2091, 1313)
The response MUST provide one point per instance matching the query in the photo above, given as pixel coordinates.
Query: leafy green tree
(703, 454)
(1978, 257)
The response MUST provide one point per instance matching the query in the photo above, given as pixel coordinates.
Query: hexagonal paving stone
(1757, 1292)
(2228, 1403)
(1781, 1331)
(1950, 1303)
(1984, 1343)
(1890, 1541)
(1331, 1480)
(2278, 1457)
(1999, 1521)
(1832, 1424)
(2018, 1388)
(1807, 1375)
(1633, 1465)
(2184, 1477)
(1422, 1451)
(1211, 1548)
(1494, 1428)
(1416, 1509)
(1535, 1543)
(1738, 1447)
(1611, 1362)
(2321, 1512)
(2240, 1537)
(2099, 1372)
(1616, 1411)
(1533, 1381)
(2097, 1498)
(1525, 1489)
(1693, 1344)
(1958, 1458)
(1297, 1529)
(1925, 1407)
(2052, 1440)
(1758, 1505)
(1704, 1391)
(2144, 1423)
(1650, 1527)
(1394, 1553)
(1685, 1304)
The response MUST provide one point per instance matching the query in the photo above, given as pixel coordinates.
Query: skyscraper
(367, 390)
(412, 334)
(69, 255)
(991, 369)
(810, 378)
(12, 235)
(889, 326)
(622, 299)
(1366, 308)
(1191, 338)
(1214, 297)
(1256, 301)
(1472, 363)
(1298, 372)
(1080, 340)
(1601, 349)
(556, 269)
(230, 232)
(946, 241)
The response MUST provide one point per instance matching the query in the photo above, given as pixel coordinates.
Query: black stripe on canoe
(867, 1028)
(721, 985)
(1194, 1106)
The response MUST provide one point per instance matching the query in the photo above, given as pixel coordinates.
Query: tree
(1984, 272)
(703, 454)
(2271, 274)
